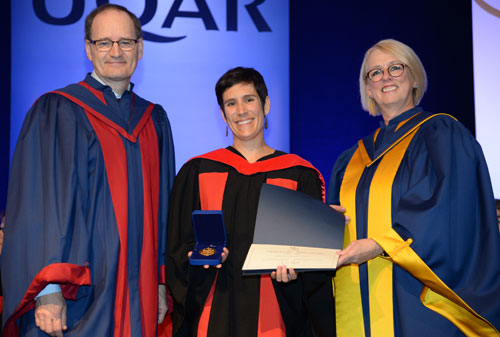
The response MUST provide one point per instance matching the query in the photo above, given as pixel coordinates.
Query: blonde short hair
(412, 63)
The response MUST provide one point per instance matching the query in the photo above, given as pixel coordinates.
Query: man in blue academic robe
(88, 200)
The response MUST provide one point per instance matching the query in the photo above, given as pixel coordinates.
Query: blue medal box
(210, 235)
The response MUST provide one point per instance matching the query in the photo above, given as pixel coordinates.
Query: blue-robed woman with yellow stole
(421, 253)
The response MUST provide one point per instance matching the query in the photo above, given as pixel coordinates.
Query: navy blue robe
(442, 199)
(87, 209)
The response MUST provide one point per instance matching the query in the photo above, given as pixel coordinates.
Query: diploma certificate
(264, 258)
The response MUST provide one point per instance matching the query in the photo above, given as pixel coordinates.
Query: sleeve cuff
(391, 243)
(49, 289)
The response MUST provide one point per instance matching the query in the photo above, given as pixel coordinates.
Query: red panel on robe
(271, 323)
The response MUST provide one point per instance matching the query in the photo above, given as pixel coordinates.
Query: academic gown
(222, 302)
(434, 218)
(87, 209)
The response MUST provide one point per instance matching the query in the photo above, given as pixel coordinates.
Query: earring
(227, 131)
(265, 123)
(415, 86)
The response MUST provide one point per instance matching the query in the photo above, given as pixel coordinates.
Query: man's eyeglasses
(107, 44)
(394, 70)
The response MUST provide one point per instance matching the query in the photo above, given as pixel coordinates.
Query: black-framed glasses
(394, 70)
(107, 44)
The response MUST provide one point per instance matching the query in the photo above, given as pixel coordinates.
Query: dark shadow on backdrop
(328, 40)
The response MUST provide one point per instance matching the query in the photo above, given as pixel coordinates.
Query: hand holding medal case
(210, 235)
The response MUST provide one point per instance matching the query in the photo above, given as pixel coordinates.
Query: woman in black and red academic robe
(220, 301)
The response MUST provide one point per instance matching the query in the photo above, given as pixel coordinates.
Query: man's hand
(358, 252)
(224, 254)
(162, 302)
(50, 314)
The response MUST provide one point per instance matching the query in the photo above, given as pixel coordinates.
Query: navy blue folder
(286, 217)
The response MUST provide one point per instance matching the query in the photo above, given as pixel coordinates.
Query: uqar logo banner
(493, 9)
(202, 12)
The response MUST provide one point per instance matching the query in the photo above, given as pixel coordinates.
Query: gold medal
(208, 251)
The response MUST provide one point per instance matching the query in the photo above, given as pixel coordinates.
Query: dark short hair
(497, 203)
(241, 75)
(90, 19)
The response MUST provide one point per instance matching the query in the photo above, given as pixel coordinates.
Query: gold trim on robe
(435, 295)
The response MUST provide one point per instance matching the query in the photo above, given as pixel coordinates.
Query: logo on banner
(203, 13)
(489, 8)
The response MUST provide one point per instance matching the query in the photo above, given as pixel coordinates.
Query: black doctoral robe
(223, 179)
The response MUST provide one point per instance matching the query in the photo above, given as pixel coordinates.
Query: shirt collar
(118, 96)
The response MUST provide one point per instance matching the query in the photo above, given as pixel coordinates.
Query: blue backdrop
(326, 43)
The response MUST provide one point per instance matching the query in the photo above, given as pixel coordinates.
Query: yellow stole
(435, 295)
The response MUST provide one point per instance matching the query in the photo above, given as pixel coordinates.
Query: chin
(117, 77)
